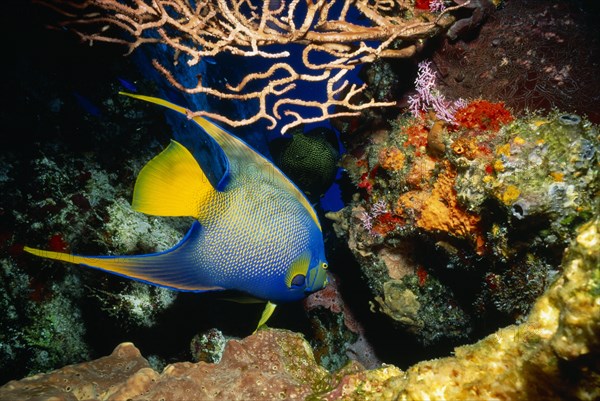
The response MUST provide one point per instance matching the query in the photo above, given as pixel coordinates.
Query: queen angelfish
(255, 231)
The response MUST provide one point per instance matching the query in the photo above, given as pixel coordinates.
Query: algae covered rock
(456, 225)
(546, 168)
(529, 361)
(271, 364)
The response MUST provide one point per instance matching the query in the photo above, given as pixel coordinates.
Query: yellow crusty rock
(553, 355)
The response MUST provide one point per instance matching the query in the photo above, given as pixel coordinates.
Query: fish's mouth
(316, 279)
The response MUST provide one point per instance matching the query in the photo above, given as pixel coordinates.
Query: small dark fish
(308, 159)
(130, 86)
(87, 105)
(209, 60)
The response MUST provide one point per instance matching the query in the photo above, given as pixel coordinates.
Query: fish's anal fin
(175, 268)
(267, 312)
(172, 184)
(60, 256)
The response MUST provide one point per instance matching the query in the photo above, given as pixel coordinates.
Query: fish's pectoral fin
(267, 312)
(175, 268)
(172, 184)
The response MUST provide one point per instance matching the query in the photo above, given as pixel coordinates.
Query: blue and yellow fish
(255, 230)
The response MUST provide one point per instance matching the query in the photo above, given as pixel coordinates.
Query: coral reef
(528, 361)
(426, 310)
(315, 47)
(39, 331)
(208, 346)
(459, 219)
(64, 199)
(337, 336)
(136, 304)
(128, 231)
(525, 361)
(272, 364)
(543, 168)
(458, 222)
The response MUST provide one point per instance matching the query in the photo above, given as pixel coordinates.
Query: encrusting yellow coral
(391, 159)
(510, 194)
(439, 209)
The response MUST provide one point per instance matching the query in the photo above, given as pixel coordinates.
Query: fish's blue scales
(229, 249)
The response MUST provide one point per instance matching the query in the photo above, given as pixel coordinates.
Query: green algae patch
(299, 361)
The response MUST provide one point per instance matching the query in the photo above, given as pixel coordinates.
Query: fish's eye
(298, 280)
(324, 266)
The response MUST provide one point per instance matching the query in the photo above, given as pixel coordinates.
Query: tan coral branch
(249, 28)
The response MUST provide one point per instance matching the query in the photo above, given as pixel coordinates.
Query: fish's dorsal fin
(242, 153)
(239, 153)
(172, 184)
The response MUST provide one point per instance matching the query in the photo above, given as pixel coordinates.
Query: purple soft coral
(429, 96)
(379, 208)
(424, 84)
(437, 6)
(366, 220)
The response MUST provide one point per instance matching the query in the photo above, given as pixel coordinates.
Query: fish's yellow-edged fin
(238, 151)
(172, 184)
(176, 268)
(157, 100)
(128, 267)
(267, 312)
(63, 257)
